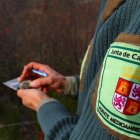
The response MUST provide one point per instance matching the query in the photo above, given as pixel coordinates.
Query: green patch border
(101, 81)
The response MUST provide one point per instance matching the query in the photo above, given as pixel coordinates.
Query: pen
(39, 72)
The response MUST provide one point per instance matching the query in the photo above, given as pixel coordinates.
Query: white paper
(13, 84)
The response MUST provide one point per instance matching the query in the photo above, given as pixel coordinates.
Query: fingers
(54, 81)
(43, 81)
(37, 66)
(25, 101)
(45, 90)
(19, 93)
(22, 93)
(27, 71)
(31, 98)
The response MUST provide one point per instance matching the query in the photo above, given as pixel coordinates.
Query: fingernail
(32, 84)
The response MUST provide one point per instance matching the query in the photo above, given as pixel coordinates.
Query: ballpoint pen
(39, 72)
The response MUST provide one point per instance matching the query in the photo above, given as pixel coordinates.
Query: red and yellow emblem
(127, 97)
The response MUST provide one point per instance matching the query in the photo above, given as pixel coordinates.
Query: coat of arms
(127, 97)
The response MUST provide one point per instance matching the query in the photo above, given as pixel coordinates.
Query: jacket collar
(110, 7)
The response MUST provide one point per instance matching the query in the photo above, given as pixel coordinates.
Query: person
(107, 88)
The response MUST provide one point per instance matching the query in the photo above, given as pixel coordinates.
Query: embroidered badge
(127, 97)
(118, 95)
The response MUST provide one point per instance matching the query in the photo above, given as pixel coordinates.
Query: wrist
(44, 101)
(38, 98)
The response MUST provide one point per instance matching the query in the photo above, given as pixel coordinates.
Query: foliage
(56, 33)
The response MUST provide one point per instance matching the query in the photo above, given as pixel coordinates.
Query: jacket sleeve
(55, 120)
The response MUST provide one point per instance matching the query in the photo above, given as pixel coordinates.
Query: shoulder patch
(118, 94)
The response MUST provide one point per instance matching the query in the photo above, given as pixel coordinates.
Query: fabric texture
(46, 101)
(71, 87)
(55, 120)
(110, 7)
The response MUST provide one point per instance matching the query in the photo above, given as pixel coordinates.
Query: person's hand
(54, 81)
(31, 98)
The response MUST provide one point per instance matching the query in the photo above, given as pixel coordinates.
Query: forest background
(53, 32)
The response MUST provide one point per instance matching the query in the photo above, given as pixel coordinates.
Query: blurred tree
(55, 32)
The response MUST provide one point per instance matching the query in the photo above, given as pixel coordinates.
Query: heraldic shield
(126, 98)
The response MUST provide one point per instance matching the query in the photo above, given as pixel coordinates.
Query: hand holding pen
(26, 84)
(43, 76)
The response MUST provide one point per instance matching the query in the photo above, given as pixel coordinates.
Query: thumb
(39, 82)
